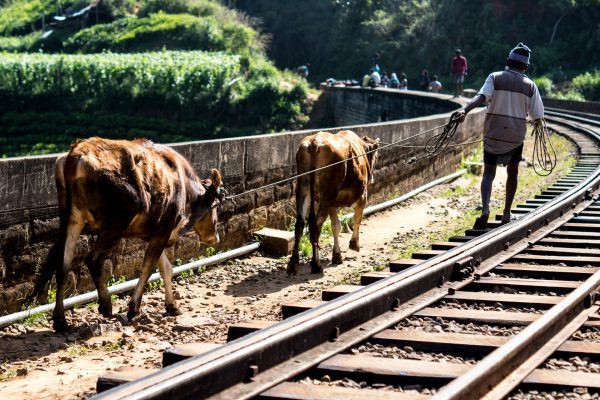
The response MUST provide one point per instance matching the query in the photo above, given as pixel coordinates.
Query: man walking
(512, 96)
(459, 70)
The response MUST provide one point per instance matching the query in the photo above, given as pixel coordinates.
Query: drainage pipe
(129, 285)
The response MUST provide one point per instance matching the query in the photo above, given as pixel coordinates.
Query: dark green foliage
(43, 133)
(340, 38)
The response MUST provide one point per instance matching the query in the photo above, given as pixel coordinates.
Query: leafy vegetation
(160, 30)
(341, 38)
(169, 96)
(127, 25)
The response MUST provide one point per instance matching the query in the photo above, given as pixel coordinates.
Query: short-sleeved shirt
(459, 65)
(511, 96)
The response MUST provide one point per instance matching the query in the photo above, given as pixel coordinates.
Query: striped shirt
(511, 96)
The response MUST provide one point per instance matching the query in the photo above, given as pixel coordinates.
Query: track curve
(320, 338)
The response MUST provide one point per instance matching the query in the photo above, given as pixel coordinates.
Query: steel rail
(492, 377)
(240, 360)
(503, 369)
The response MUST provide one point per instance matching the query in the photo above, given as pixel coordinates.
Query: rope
(544, 156)
(432, 147)
(438, 143)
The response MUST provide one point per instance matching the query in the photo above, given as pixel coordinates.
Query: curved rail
(253, 364)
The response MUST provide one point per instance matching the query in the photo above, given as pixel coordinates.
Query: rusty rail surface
(259, 363)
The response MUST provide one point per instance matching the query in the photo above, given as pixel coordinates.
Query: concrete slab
(276, 241)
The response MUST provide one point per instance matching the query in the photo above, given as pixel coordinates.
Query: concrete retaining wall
(580, 106)
(28, 222)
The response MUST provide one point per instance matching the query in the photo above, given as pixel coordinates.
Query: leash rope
(434, 146)
(544, 155)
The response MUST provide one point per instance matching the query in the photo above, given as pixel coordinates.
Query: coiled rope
(544, 155)
(434, 146)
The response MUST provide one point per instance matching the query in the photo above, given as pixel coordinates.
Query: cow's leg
(166, 272)
(315, 232)
(106, 243)
(335, 228)
(302, 205)
(153, 252)
(359, 207)
(73, 230)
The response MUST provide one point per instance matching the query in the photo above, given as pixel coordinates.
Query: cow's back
(341, 184)
(113, 179)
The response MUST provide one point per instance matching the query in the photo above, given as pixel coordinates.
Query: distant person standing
(424, 82)
(403, 82)
(512, 96)
(435, 85)
(459, 70)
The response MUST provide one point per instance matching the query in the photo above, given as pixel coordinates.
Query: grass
(7, 375)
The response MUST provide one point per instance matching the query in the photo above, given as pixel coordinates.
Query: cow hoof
(292, 268)
(132, 313)
(316, 268)
(60, 325)
(354, 245)
(337, 258)
(105, 310)
(173, 311)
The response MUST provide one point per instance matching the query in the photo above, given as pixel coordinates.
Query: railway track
(506, 311)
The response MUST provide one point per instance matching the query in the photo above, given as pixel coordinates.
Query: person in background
(512, 96)
(303, 70)
(435, 85)
(403, 82)
(424, 82)
(394, 82)
(459, 70)
(384, 79)
(366, 79)
(375, 79)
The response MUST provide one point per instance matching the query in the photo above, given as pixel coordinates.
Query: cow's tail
(312, 214)
(46, 272)
(55, 256)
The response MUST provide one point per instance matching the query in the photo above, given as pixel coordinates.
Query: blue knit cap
(520, 53)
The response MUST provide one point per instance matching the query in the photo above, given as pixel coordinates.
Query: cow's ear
(216, 177)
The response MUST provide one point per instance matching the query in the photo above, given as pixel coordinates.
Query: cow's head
(208, 205)
(371, 146)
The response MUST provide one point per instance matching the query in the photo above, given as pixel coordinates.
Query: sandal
(481, 222)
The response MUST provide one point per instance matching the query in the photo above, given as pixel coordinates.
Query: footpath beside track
(535, 278)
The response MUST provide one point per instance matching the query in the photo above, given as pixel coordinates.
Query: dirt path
(41, 364)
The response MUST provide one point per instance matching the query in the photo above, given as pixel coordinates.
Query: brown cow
(127, 189)
(341, 185)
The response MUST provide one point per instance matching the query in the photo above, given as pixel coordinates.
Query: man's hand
(459, 115)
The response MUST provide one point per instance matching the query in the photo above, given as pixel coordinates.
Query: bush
(588, 85)
(544, 85)
(199, 8)
(159, 31)
(19, 17)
